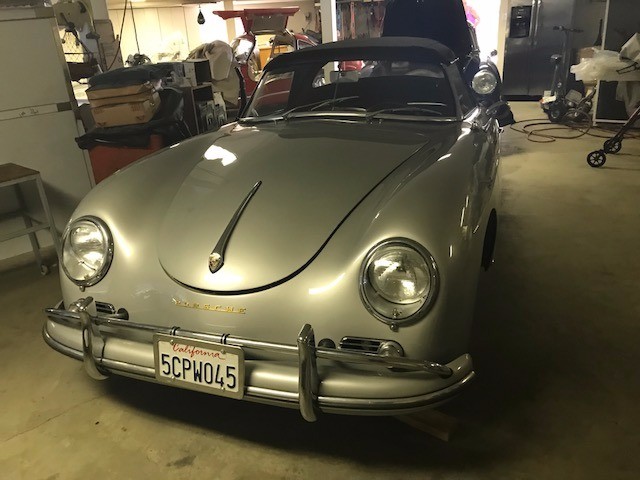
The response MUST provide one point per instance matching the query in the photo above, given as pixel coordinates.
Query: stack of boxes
(127, 105)
(122, 101)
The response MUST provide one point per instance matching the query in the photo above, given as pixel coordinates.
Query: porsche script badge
(209, 307)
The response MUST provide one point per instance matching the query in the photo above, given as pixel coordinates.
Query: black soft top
(402, 48)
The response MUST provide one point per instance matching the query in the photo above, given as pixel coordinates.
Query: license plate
(204, 366)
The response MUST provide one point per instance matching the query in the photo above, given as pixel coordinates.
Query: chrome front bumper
(82, 335)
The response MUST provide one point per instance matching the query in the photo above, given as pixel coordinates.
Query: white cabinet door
(33, 72)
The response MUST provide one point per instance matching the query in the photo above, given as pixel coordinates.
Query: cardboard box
(99, 97)
(130, 113)
(197, 71)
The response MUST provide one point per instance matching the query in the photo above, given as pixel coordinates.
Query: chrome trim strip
(399, 403)
(216, 257)
(398, 362)
(128, 367)
(105, 308)
(69, 318)
(360, 344)
(274, 395)
(364, 116)
(64, 317)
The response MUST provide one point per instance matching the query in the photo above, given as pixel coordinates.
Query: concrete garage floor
(555, 346)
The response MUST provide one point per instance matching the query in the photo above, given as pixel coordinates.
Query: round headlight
(87, 251)
(399, 275)
(399, 280)
(484, 82)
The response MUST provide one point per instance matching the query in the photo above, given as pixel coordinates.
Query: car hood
(312, 176)
(444, 21)
(261, 21)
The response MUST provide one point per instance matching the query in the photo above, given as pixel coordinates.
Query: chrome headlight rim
(106, 234)
(425, 304)
(475, 80)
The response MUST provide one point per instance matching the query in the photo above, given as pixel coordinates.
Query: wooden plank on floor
(433, 422)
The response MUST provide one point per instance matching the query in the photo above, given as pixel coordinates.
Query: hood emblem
(216, 257)
(215, 262)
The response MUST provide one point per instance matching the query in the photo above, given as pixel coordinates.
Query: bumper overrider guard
(309, 401)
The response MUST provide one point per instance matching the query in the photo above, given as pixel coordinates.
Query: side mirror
(493, 110)
(501, 112)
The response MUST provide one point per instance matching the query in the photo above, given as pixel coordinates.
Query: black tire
(596, 159)
(556, 112)
(612, 146)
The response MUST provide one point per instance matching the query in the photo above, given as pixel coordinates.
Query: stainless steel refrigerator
(530, 43)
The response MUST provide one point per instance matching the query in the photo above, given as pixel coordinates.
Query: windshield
(367, 88)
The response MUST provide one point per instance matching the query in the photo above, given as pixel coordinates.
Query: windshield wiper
(411, 107)
(334, 101)
(316, 105)
(407, 109)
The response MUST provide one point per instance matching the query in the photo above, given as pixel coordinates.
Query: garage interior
(554, 338)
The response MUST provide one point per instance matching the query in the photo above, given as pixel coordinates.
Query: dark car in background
(262, 24)
(445, 21)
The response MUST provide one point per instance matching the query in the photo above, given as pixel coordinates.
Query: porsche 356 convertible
(321, 253)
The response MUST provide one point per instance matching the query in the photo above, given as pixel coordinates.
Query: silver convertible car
(321, 253)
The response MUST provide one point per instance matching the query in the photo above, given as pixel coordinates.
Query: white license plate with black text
(204, 366)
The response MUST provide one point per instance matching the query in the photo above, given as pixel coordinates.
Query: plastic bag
(631, 49)
(603, 66)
